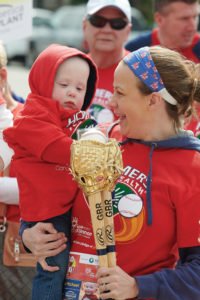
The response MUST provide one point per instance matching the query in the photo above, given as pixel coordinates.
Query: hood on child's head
(43, 71)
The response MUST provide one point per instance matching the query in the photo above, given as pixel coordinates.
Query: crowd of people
(151, 90)
(106, 28)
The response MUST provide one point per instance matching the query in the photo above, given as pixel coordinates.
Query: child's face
(70, 83)
(90, 288)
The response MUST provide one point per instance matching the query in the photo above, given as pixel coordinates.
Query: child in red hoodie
(62, 82)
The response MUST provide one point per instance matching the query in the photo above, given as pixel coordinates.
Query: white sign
(15, 19)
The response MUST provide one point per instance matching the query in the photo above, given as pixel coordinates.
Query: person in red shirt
(177, 22)
(156, 199)
(106, 28)
(62, 82)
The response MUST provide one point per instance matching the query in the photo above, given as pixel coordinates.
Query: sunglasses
(100, 22)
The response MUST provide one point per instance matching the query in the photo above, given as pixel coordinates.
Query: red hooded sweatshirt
(41, 139)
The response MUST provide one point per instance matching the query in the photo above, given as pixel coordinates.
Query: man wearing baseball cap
(106, 28)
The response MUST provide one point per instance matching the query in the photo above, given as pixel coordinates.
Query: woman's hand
(114, 283)
(43, 240)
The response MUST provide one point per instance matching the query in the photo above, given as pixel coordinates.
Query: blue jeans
(49, 285)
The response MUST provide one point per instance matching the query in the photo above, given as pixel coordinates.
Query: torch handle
(97, 217)
(106, 198)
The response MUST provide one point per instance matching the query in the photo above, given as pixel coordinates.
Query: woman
(156, 200)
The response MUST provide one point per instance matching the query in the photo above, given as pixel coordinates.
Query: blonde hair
(181, 78)
(3, 56)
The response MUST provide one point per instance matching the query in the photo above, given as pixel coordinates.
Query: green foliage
(145, 6)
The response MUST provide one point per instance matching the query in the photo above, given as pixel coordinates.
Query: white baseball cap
(94, 6)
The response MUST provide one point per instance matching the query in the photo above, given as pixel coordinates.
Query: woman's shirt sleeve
(182, 283)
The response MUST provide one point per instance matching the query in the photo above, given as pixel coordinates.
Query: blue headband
(141, 64)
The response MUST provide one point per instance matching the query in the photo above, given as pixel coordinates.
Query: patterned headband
(141, 64)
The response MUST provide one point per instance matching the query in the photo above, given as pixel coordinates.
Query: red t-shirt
(143, 249)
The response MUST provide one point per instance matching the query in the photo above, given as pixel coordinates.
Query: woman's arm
(178, 284)
(181, 283)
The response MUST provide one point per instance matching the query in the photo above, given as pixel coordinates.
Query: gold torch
(96, 163)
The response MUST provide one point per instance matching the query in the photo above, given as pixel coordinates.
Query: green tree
(145, 6)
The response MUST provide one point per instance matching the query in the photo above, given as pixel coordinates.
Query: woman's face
(129, 104)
